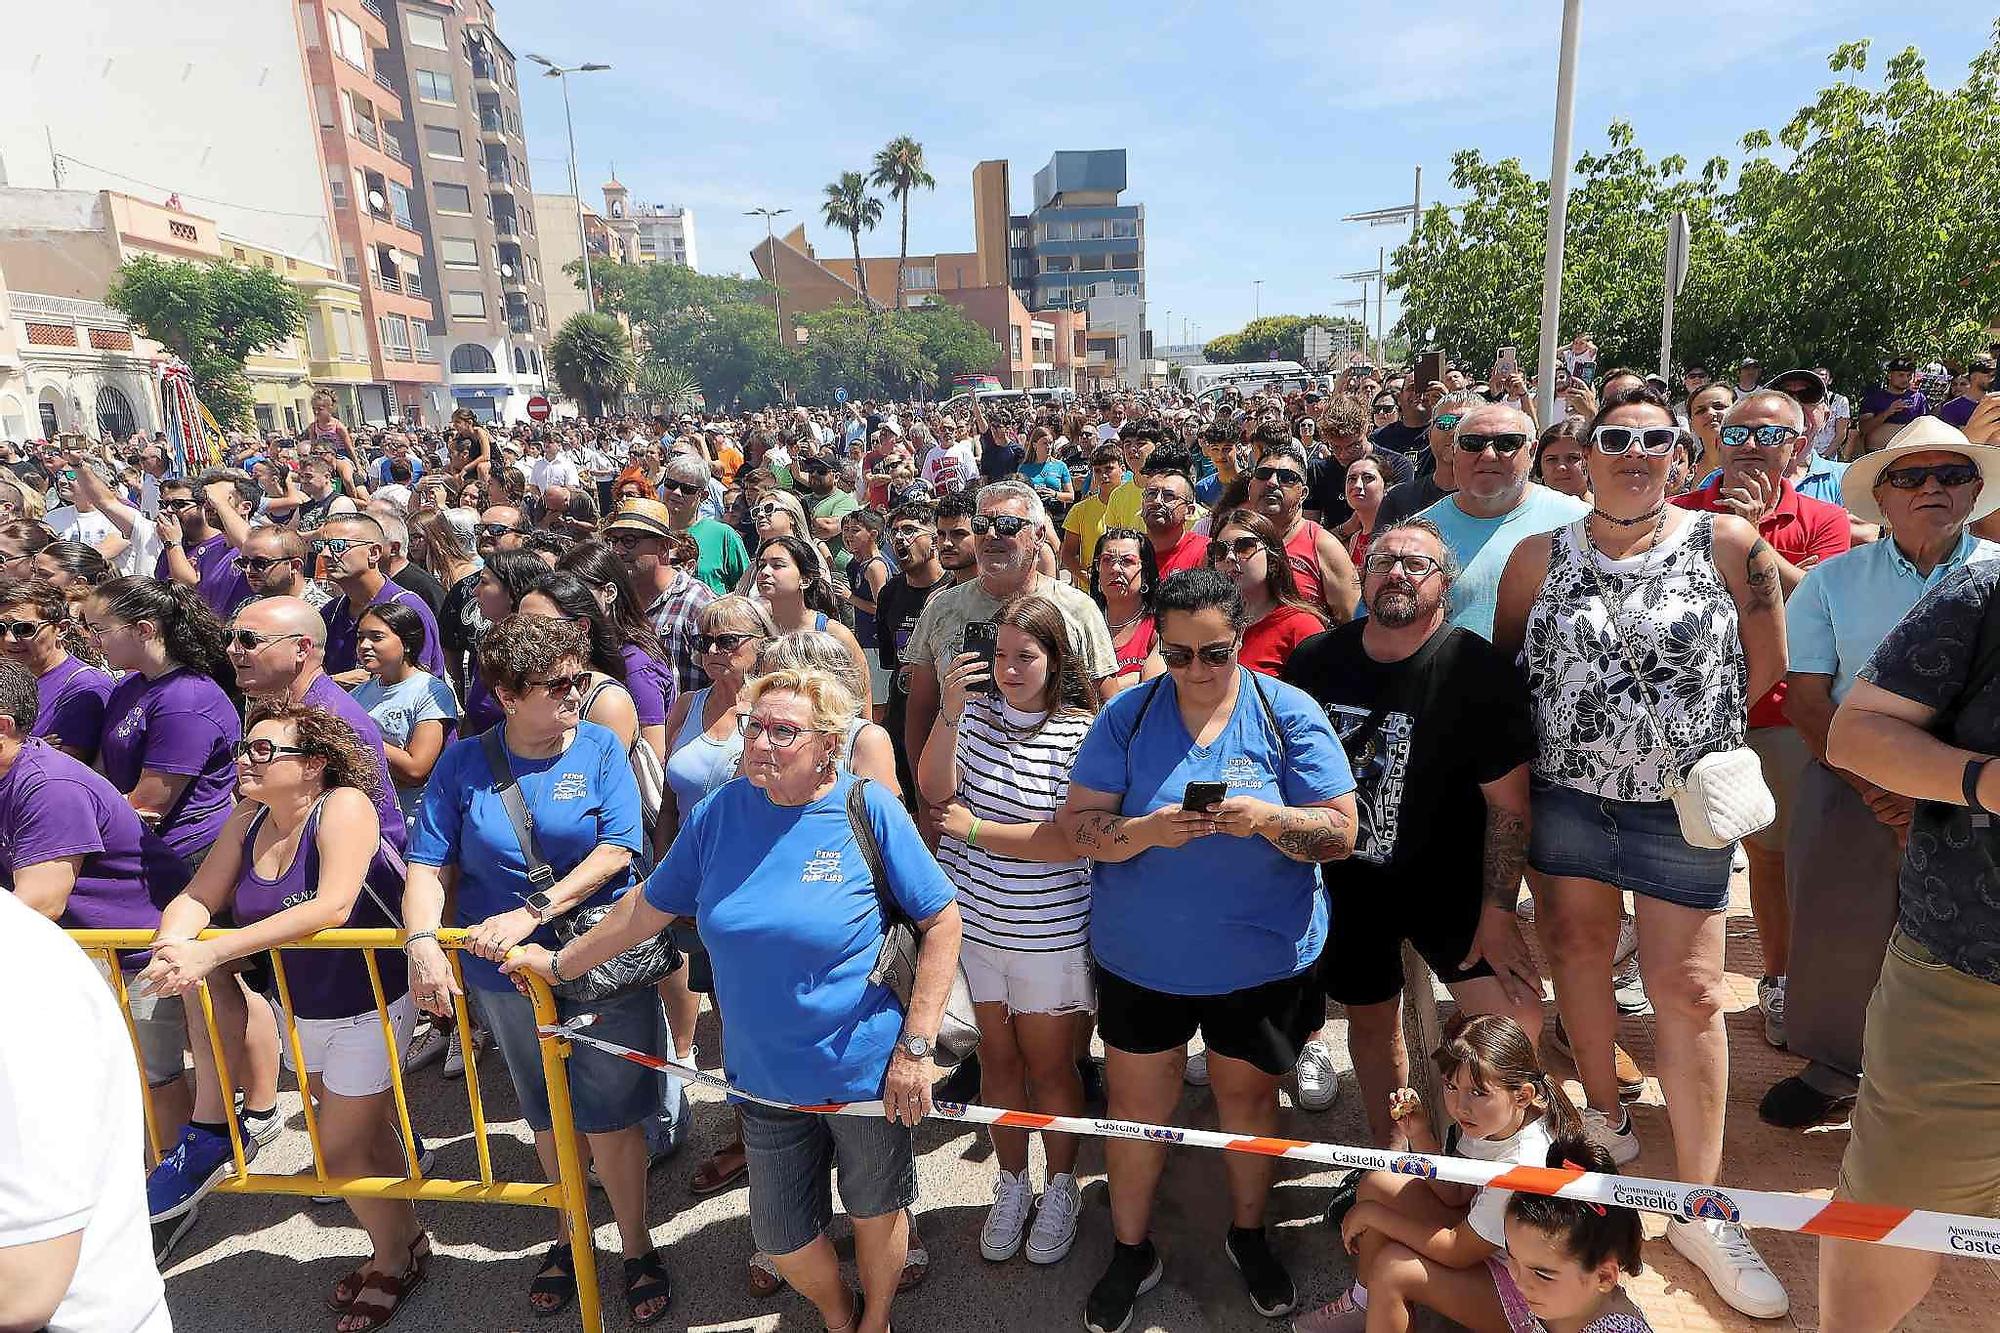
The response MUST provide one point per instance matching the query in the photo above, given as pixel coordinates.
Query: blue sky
(1251, 128)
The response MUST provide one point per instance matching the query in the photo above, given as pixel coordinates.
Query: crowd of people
(1162, 722)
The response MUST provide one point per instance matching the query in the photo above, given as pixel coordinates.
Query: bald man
(278, 647)
(1494, 507)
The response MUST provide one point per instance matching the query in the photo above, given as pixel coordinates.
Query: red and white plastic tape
(1910, 1228)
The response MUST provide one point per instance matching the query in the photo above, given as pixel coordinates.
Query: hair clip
(1597, 1208)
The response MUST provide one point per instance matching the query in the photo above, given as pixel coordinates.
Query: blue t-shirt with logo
(788, 912)
(1221, 913)
(579, 799)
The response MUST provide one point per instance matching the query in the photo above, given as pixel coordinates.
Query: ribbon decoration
(1772, 1210)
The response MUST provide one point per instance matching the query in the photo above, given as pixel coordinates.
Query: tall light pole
(1413, 213)
(1552, 266)
(771, 245)
(1257, 309)
(562, 72)
(1377, 276)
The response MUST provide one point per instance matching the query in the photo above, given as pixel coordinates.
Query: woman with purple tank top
(303, 852)
(34, 617)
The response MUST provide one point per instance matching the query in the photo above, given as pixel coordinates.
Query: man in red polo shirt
(1759, 437)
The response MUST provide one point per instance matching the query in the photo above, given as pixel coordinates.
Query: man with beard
(1167, 508)
(1345, 427)
(914, 536)
(1320, 564)
(273, 559)
(1438, 729)
(195, 545)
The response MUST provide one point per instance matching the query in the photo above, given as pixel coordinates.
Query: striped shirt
(1008, 778)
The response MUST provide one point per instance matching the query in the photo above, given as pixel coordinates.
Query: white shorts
(1030, 983)
(347, 1053)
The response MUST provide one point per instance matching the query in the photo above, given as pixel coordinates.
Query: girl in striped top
(996, 773)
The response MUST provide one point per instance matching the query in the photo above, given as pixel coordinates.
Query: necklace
(1634, 521)
(1120, 626)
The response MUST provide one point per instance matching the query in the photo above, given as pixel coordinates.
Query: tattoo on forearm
(1762, 571)
(1096, 832)
(1506, 854)
(1315, 834)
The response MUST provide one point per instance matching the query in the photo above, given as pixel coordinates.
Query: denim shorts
(606, 1094)
(792, 1156)
(1635, 845)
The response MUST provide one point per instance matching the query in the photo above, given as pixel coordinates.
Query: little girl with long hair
(1565, 1256)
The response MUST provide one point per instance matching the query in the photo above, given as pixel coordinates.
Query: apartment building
(652, 233)
(473, 200)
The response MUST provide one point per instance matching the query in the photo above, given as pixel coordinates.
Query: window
(434, 86)
(443, 141)
(309, 24)
(395, 336)
(343, 334)
(472, 359)
(399, 205)
(114, 414)
(425, 30)
(1014, 341)
(451, 198)
(348, 43)
(323, 106)
(1091, 263)
(457, 252)
(315, 339)
(466, 305)
(520, 362)
(1126, 259)
(1121, 228)
(1090, 229)
(420, 338)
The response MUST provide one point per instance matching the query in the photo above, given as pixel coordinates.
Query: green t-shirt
(834, 505)
(723, 560)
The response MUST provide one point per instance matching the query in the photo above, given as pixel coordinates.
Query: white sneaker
(1318, 1080)
(1628, 988)
(1196, 1073)
(1055, 1221)
(1007, 1219)
(428, 1047)
(1628, 941)
(1771, 999)
(1623, 1145)
(1732, 1266)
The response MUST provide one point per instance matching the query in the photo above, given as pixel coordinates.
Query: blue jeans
(668, 1129)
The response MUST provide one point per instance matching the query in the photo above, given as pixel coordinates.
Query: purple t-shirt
(342, 627)
(482, 708)
(1958, 411)
(1879, 398)
(325, 693)
(180, 723)
(651, 686)
(222, 584)
(52, 806)
(69, 709)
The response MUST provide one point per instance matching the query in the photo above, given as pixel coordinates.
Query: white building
(81, 368)
(650, 233)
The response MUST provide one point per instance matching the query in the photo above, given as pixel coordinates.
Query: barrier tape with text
(1910, 1228)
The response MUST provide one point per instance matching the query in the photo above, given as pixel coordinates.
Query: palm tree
(850, 207)
(899, 169)
(591, 358)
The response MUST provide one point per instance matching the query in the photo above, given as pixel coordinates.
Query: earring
(510, 710)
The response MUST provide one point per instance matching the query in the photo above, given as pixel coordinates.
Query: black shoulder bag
(641, 965)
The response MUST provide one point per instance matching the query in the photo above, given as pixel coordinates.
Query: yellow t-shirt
(1086, 519)
(1123, 506)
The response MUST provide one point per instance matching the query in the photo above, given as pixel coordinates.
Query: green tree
(849, 207)
(721, 330)
(899, 169)
(1273, 336)
(869, 353)
(591, 356)
(667, 389)
(212, 316)
(952, 342)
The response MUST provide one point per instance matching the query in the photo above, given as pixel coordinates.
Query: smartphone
(1202, 795)
(983, 637)
(1430, 369)
(1507, 363)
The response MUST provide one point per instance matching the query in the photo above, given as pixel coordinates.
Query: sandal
(724, 1167)
(343, 1293)
(555, 1278)
(645, 1282)
(764, 1280)
(382, 1294)
(916, 1263)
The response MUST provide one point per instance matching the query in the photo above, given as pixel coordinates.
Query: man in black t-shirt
(1345, 424)
(1437, 730)
(913, 537)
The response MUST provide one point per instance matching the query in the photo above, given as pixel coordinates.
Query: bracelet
(1969, 783)
(408, 940)
(555, 965)
(972, 834)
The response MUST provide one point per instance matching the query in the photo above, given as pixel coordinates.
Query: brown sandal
(724, 1167)
(343, 1293)
(388, 1290)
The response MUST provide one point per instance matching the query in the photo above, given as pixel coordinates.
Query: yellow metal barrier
(567, 1193)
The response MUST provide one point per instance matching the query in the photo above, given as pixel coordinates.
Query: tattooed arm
(1750, 570)
(1310, 833)
(1498, 936)
(1096, 830)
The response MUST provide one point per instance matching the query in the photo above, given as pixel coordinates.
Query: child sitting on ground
(1565, 1256)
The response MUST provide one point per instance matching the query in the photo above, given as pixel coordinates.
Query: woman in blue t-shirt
(1206, 799)
(584, 806)
(769, 868)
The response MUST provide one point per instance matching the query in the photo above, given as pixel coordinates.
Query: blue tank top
(697, 765)
(325, 983)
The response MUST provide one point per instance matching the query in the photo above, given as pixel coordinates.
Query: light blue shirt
(1481, 547)
(1843, 609)
(1821, 481)
(420, 697)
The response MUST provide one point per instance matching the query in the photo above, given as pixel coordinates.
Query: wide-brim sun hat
(1924, 435)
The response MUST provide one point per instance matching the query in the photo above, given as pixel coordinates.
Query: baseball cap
(1804, 385)
(1749, 361)
(649, 518)
(1902, 363)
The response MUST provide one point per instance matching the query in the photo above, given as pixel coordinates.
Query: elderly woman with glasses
(584, 818)
(1208, 775)
(771, 869)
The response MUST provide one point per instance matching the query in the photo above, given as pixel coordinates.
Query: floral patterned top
(1603, 730)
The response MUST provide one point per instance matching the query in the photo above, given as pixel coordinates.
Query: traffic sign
(840, 395)
(539, 408)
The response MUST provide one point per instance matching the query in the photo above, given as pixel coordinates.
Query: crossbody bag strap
(1152, 689)
(1271, 716)
(871, 851)
(539, 873)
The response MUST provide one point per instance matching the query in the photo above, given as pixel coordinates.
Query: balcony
(387, 282)
(373, 7)
(492, 126)
(382, 82)
(506, 228)
(392, 148)
(483, 72)
(520, 324)
(364, 130)
(427, 356)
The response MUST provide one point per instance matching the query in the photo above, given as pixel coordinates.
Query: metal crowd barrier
(566, 1194)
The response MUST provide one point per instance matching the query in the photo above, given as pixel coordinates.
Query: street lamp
(562, 72)
(1384, 217)
(1379, 276)
(1257, 309)
(771, 246)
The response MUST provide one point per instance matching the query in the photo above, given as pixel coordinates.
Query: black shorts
(1265, 1026)
(1363, 961)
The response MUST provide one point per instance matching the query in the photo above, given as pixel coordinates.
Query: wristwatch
(538, 904)
(917, 1048)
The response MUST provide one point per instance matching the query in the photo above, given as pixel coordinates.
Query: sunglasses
(20, 631)
(780, 735)
(337, 547)
(1215, 654)
(724, 643)
(1506, 444)
(1384, 408)
(1947, 474)
(261, 751)
(765, 510)
(1283, 476)
(1447, 420)
(260, 564)
(1242, 548)
(1417, 566)
(1652, 441)
(1765, 437)
(683, 487)
(557, 686)
(179, 506)
(249, 640)
(496, 529)
(1006, 525)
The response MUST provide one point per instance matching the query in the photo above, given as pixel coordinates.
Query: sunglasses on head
(1652, 441)
(1447, 421)
(1242, 548)
(261, 751)
(1946, 474)
(1506, 444)
(1215, 654)
(1282, 476)
(1006, 525)
(1764, 437)
(249, 640)
(726, 643)
(21, 630)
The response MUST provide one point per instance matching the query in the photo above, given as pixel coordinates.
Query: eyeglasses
(1242, 548)
(496, 530)
(1765, 437)
(1383, 408)
(726, 643)
(1283, 476)
(1215, 654)
(1447, 421)
(180, 506)
(558, 686)
(20, 631)
(249, 640)
(1005, 525)
(1947, 474)
(261, 751)
(1161, 496)
(683, 487)
(261, 565)
(1652, 441)
(907, 534)
(1418, 567)
(778, 735)
(337, 547)
(6, 560)
(1506, 444)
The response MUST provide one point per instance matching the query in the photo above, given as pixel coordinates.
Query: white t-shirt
(72, 1130)
(1107, 432)
(557, 471)
(73, 524)
(951, 467)
(1529, 1147)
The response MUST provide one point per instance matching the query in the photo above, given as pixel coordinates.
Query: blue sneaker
(194, 1167)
